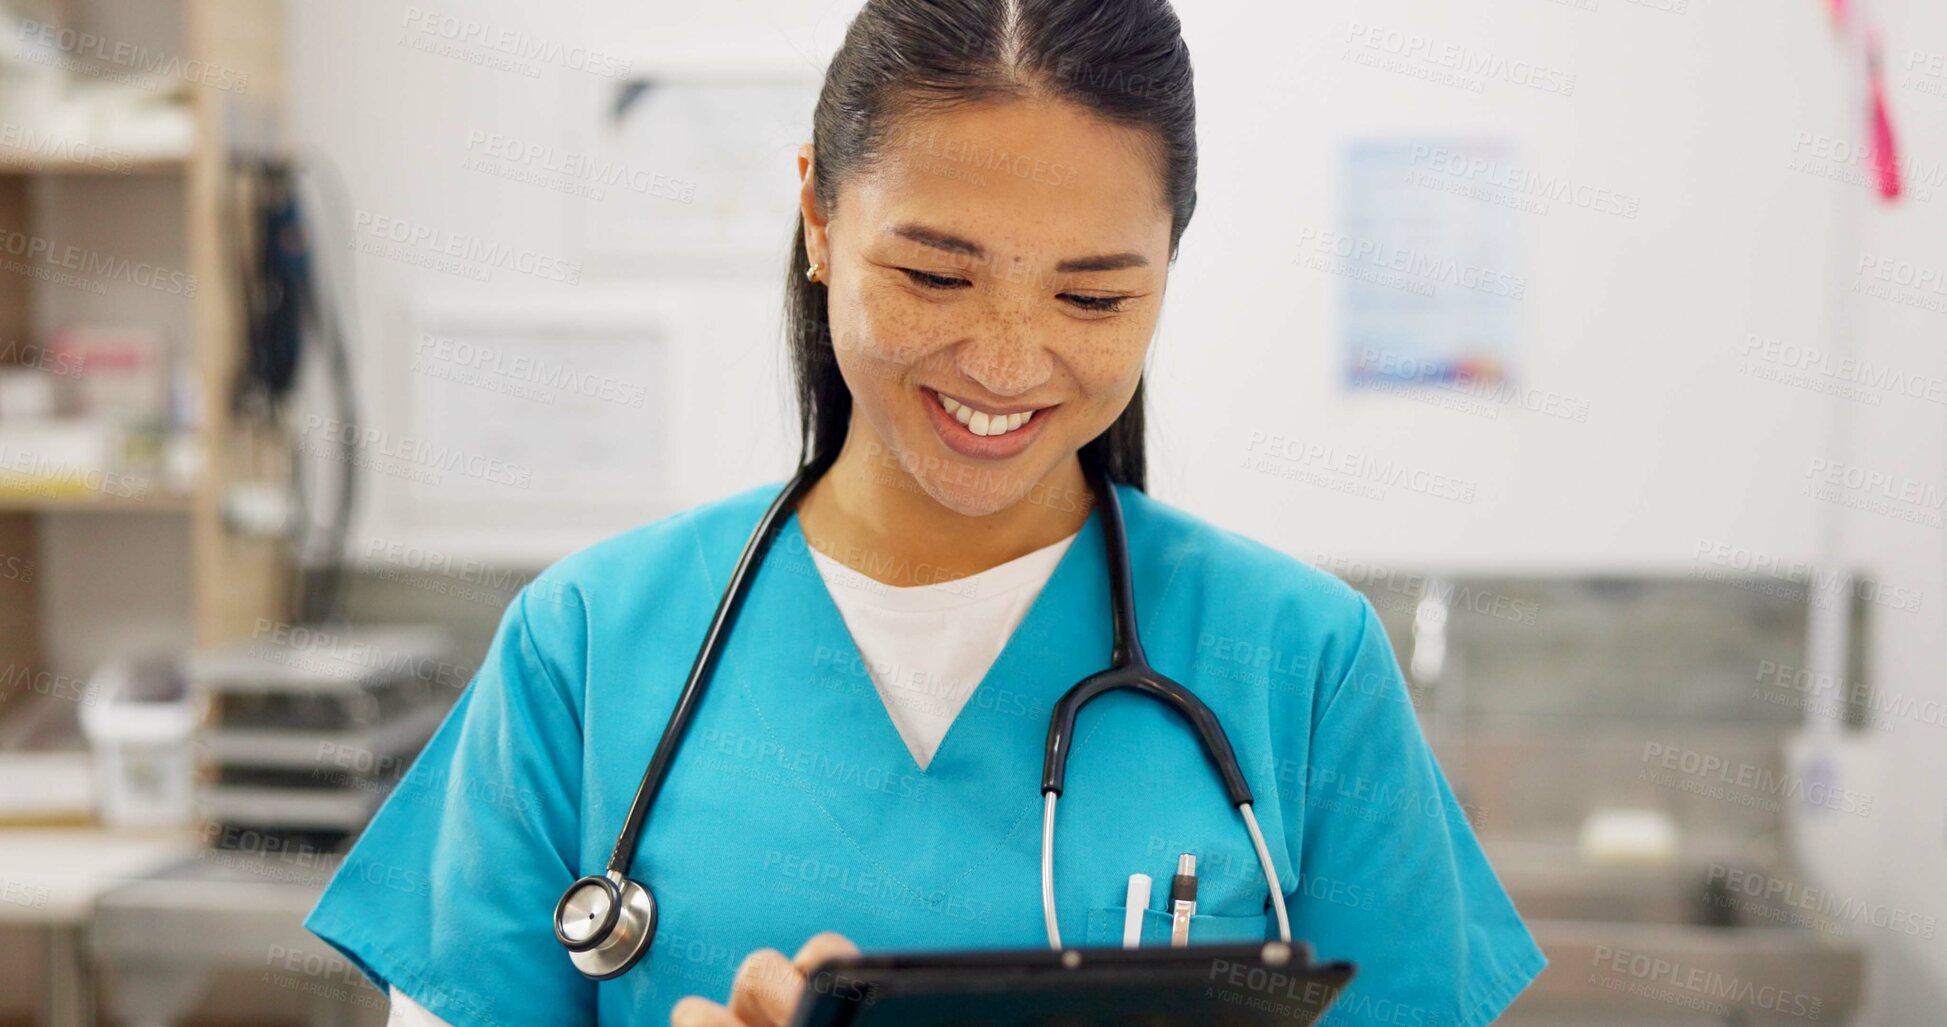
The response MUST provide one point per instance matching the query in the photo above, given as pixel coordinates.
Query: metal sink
(1678, 942)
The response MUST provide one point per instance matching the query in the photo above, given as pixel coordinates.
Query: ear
(817, 248)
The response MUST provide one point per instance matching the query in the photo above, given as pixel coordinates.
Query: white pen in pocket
(1135, 904)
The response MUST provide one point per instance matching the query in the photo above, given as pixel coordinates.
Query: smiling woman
(990, 330)
(990, 204)
(948, 333)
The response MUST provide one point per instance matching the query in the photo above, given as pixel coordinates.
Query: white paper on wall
(1427, 250)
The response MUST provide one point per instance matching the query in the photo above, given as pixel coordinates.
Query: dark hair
(1123, 60)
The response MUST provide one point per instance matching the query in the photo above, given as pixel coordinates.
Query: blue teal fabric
(794, 807)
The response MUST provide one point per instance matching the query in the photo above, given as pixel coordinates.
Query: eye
(932, 281)
(1102, 303)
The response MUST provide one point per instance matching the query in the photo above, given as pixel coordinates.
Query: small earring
(811, 273)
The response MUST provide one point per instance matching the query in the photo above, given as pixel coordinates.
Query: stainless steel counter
(159, 940)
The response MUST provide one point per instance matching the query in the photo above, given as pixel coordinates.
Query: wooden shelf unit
(233, 580)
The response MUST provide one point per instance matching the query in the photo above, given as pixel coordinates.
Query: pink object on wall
(1884, 150)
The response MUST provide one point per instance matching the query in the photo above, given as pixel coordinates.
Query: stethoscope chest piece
(605, 922)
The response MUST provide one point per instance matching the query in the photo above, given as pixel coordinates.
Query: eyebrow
(954, 244)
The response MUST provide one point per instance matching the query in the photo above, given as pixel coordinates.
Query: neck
(868, 513)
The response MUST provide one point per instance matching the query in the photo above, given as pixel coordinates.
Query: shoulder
(1197, 553)
(1249, 603)
(670, 556)
(676, 538)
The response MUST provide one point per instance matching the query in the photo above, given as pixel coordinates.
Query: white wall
(1637, 319)
(399, 123)
(1640, 319)
(1697, 113)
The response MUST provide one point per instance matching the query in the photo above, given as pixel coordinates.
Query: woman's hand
(767, 987)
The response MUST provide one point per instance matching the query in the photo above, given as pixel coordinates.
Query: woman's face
(994, 281)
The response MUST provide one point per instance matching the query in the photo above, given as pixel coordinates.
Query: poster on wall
(1431, 282)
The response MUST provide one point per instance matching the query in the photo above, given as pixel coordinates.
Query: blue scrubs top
(794, 807)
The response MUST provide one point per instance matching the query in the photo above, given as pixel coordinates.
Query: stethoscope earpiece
(606, 922)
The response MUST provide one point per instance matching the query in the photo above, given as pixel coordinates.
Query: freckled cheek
(893, 329)
(1107, 366)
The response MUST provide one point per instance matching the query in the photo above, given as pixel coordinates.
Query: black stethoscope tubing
(619, 920)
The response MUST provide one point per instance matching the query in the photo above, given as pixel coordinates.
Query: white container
(140, 717)
(61, 455)
(29, 392)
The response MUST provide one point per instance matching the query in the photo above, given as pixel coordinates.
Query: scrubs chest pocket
(1105, 927)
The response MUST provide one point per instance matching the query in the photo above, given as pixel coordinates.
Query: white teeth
(960, 411)
(981, 423)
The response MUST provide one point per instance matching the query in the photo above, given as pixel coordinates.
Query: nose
(1005, 353)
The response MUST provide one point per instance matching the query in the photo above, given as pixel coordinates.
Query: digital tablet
(1269, 984)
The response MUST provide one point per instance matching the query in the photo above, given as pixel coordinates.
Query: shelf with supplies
(128, 253)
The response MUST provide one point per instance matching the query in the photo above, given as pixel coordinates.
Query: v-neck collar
(1026, 666)
(803, 684)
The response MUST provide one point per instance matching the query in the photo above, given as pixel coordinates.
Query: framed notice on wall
(531, 412)
(518, 428)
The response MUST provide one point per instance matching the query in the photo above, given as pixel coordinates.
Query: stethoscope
(606, 921)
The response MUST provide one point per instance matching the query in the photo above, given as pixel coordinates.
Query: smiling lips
(983, 434)
(979, 421)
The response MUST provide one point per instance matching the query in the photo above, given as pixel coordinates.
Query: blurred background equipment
(311, 729)
(165, 324)
(289, 301)
(1574, 717)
